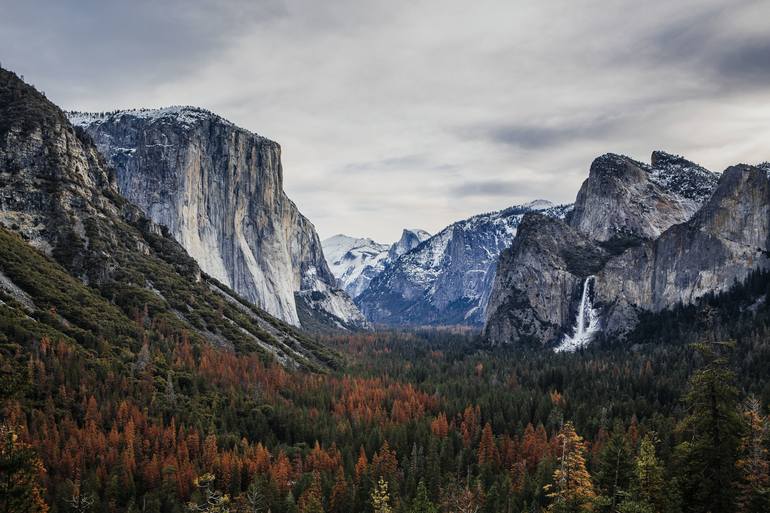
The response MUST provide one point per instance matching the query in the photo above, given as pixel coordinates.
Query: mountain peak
(539, 204)
(410, 239)
(682, 177)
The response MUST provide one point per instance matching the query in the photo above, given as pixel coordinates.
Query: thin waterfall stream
(586, 323)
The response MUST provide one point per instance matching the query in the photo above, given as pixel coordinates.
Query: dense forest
(673, 419)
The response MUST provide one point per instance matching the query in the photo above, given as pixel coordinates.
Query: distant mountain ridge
(447, 278)
(356, 261)
(218, 189)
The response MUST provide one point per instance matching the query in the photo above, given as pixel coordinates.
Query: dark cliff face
(658, 235)
(219, 190)
(56, 192)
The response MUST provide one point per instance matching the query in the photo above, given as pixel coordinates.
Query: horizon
(387, 122)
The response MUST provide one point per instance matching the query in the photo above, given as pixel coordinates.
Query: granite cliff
(219, 190)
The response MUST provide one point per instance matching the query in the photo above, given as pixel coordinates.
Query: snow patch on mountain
(356, 261)
(178, 114)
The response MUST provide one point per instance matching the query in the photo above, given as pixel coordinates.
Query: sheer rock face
(653, 236)
(219, 191)
(447, 278)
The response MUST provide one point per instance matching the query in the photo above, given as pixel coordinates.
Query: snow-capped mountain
(356, 261)
(447, 278)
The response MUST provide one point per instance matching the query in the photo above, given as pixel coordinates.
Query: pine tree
(572, 490)
(614, 467)
(421, 502)
(647, 490)
(311, 500)
(339, 500)
(712, 431)
(255, 498)
(487, 453)
(754, 486)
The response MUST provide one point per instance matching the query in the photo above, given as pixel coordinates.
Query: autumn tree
(339, 500)
(20, 469)
(572, 490)
(381, 498)
(754, 485)
(311, 500)
(487, 453)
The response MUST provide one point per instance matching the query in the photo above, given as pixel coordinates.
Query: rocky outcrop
(651, 236)
(624, 200)
(219, 191)
(354, 261)
(58, 194)
(448, 277)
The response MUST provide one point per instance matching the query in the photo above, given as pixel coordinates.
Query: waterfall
(586, 324)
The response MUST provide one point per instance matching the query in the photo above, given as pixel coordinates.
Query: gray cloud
(747, 61)
(493, 188)
(541, 136)
(396, 113)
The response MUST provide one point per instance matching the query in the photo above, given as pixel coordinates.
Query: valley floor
(426, 421)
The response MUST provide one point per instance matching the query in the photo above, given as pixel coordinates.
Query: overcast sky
(417, 113)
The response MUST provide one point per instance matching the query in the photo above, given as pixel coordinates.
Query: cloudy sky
(418, 113)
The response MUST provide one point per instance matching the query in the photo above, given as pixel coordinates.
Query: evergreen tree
(339, 500)
(255, 498)
(712, 431)
(647, 489)
(614, 467)
(572, 490)
(421, 502)
(311, 500)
